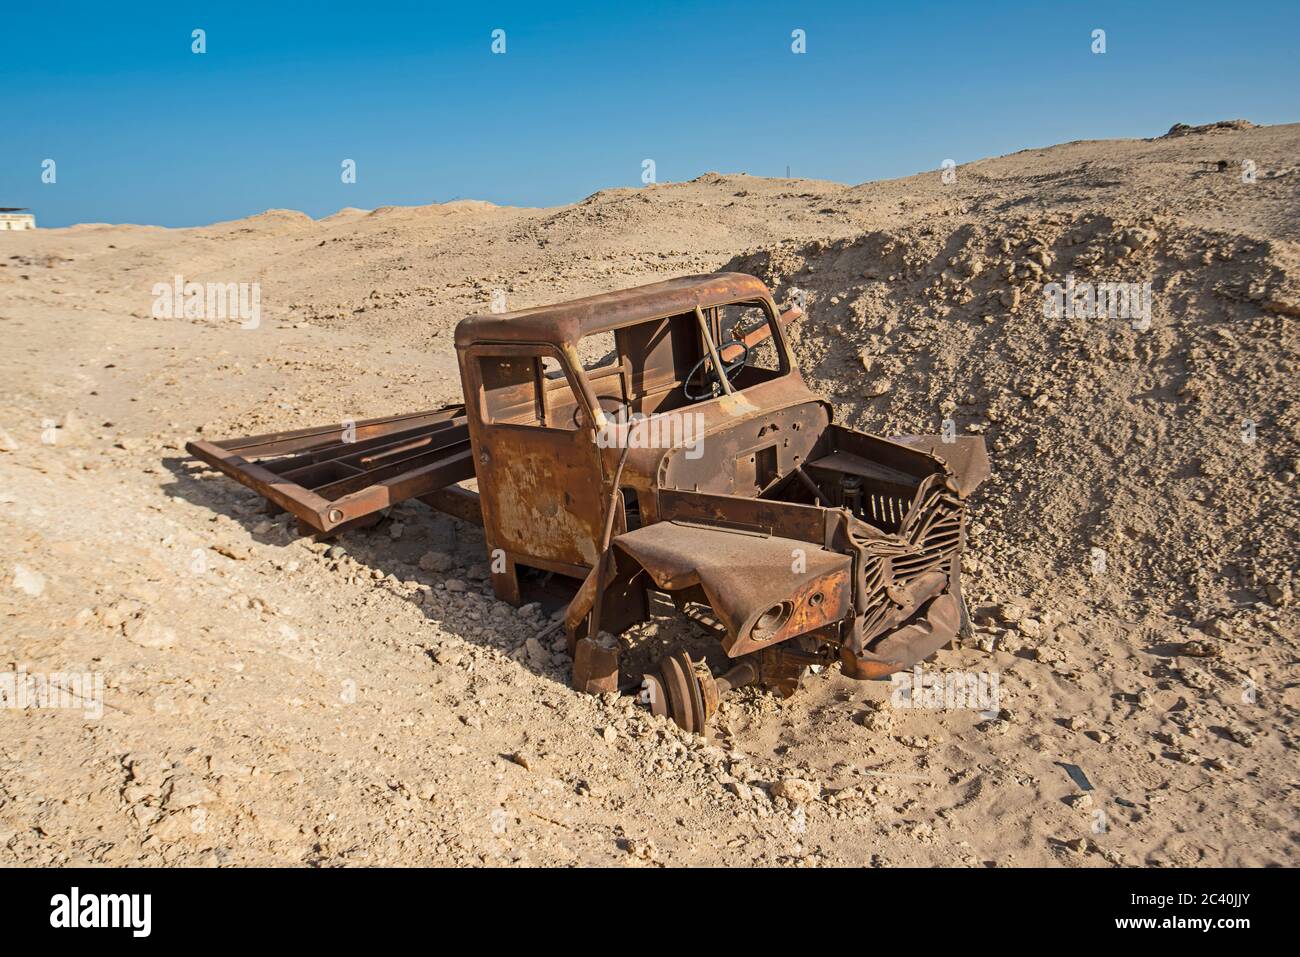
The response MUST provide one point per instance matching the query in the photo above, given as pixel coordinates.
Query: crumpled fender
(745, 575)
(930, 630)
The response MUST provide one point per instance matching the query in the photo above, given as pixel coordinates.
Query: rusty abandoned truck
(659, 443)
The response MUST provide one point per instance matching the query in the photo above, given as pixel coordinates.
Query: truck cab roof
(566, 323)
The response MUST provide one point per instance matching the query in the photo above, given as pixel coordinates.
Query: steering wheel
(614, 407)
(730, 368)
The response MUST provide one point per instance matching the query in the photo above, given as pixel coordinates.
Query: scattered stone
(1278, 595)
(641, 849)
(740, 789)
(147, 632)
(1030, 627)
(796, 790)
(1008, 613)
(522, 760)
(29, 581)
(436, 562)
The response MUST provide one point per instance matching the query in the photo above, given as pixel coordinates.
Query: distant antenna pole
(787, 170)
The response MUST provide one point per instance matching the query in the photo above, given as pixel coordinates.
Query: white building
(15, 217)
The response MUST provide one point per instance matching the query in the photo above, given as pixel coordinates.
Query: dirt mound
(1171, 444)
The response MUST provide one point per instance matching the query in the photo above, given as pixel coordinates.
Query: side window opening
(510, 390)
(527, 390)
(743, 319)
(598, 351)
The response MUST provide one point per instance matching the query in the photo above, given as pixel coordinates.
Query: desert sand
(271, 700)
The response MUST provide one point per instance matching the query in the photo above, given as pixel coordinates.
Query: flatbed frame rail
(332, 476)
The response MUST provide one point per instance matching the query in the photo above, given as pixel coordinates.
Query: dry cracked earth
(270, 699)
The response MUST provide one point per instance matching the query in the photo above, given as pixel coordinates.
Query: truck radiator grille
(928, 536)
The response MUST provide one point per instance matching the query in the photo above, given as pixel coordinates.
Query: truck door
(537, 462)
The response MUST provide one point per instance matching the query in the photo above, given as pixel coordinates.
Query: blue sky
(143, 130)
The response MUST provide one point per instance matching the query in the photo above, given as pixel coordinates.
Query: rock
(741, 790)
(641, 849)
(880, 720)
(112, 616)
(796, 790)
(7, 442)
(146, 632)
(187, 791)
(455, 585)
(72, 430)
(878, 387)
(538, 656)
(1218, 628)
(233, 550)
(335, 552)
(1008, 612)
(1030, 627)
(1240, 734)
(1079, 801)
(436, 562)
(29, 581)
(1278, 595)
(522, 760)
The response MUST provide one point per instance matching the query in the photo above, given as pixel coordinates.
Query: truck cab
(662, 439)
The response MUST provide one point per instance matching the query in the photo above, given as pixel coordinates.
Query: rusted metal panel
(539, 476)
(457, 501)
